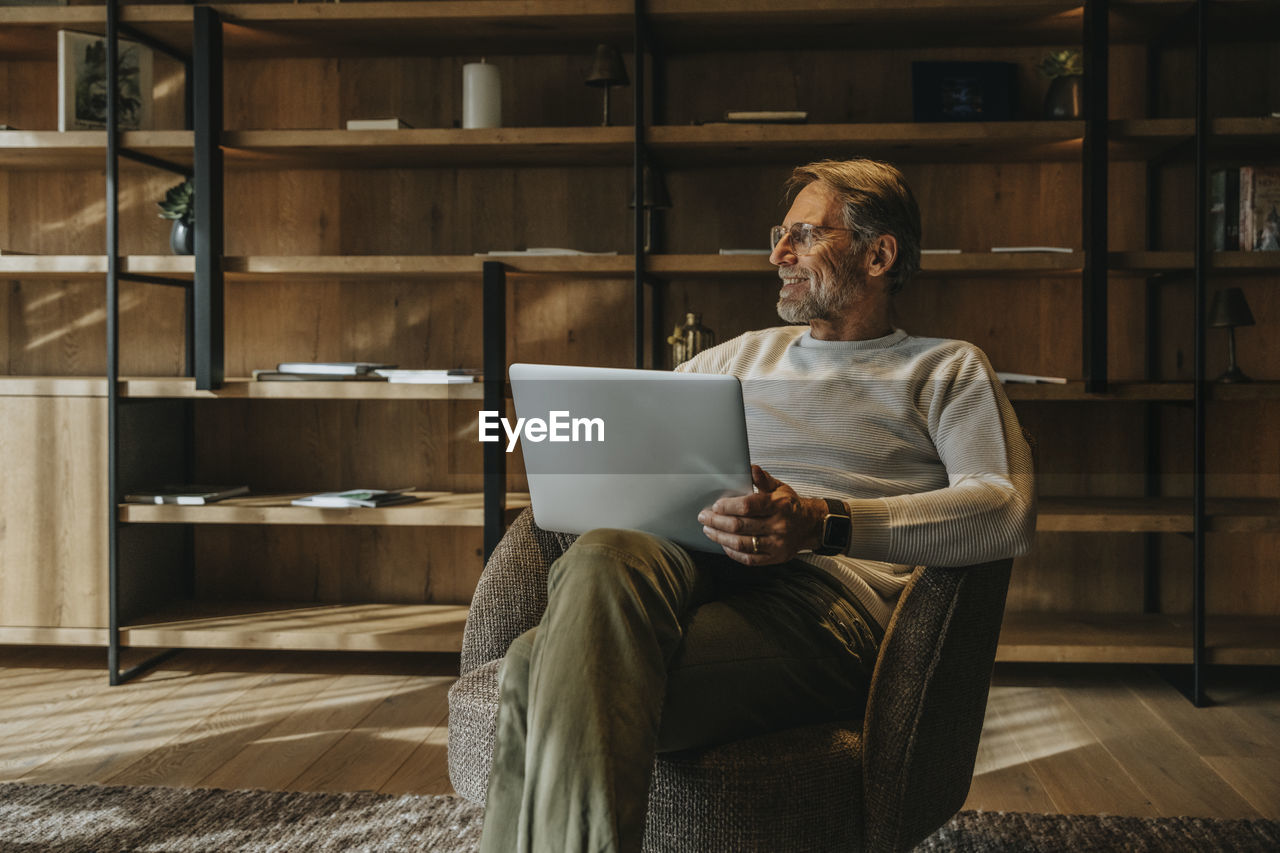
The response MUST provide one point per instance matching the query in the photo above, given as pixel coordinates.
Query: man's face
(821, 283)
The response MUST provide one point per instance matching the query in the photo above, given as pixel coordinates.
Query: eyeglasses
(804, 236)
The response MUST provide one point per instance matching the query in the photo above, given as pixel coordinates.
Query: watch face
(837, 530)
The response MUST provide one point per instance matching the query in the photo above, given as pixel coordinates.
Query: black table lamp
(1230, 309)
(606, 72)
(656, 198)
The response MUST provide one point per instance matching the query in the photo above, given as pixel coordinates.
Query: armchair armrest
(512, 592)
(928, 699)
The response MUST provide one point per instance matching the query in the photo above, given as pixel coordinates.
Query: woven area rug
(115, 819)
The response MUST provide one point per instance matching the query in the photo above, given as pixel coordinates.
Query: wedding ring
(755, 545)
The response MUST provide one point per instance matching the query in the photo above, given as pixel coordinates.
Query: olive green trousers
(647, 648)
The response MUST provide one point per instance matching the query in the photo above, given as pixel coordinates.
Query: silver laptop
(636, 449)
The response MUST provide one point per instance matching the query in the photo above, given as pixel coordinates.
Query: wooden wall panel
(30, 90)
(537, 91)
(53, 538)
(337, 564)
(1067, 572)
(59, 329)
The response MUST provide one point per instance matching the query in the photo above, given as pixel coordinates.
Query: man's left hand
(765, 528)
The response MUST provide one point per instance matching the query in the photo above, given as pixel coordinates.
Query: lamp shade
(1230, 308)
(608, 68)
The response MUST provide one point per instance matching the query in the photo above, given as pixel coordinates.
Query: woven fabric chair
(884, 782)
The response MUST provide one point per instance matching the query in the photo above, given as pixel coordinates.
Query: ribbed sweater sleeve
(987, 509)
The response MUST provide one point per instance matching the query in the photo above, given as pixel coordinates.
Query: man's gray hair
(876, 201)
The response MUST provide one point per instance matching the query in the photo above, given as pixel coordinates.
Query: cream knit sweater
(914, 434)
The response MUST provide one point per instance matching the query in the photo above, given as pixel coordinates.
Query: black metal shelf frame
(114, 276)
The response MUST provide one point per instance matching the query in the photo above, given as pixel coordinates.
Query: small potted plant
(180, 205)
(1065, 98)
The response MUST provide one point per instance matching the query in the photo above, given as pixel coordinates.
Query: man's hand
(768, 527)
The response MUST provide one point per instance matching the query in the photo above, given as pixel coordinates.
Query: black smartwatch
(837, 529)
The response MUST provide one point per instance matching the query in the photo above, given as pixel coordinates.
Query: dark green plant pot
(1065, 98)
(182, 239)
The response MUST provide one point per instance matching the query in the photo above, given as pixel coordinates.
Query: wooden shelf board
(399, 267)
(53, 386)
(306, 627)
(599, 146)
(349, 149)
(1135, 638)
(1244, 391)
(967, 263)
(437, 509)
(1154, 515)
(1073, 391)
(903, 141)
(747, 24)
(242, 388)
(423, 266)
(64, 267)
(407, 28)
(36, 635)
(87, 149)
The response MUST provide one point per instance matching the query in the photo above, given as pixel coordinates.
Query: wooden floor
(1114, 740)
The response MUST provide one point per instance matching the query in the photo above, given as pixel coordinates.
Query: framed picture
(82, 83)
(963, 91)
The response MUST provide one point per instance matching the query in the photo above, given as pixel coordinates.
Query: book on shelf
(1260, 208)
(767, 116)
(449, 376)
(358, 498)
(185, 494)
(378, 124)
(1224, 210)
(542, 252)
(1030, 379)
(1062, 250)
(331, 368)
(277, 376)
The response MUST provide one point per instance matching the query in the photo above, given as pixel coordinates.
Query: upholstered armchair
(884, 782)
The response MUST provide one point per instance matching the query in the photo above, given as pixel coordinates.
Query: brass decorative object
(607, 71)
(1231, 309)
(690, 339)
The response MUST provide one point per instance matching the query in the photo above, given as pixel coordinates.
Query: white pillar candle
(481, 95)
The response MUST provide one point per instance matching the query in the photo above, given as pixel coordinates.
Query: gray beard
(821, 301)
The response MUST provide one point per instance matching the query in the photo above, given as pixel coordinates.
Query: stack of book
(185, 495)
(367, 371)
(1244, 209)
(358, 498)
(325, 371)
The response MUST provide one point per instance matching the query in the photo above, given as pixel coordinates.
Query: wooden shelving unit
(310, 259)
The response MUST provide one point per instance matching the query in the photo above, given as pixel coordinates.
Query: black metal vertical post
(1200, 386)
(639, 158)
(113, 346)
(207, 71)
(1094, 197)
(494, 323)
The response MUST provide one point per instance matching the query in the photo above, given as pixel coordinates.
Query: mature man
(876, 452)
